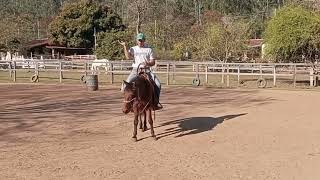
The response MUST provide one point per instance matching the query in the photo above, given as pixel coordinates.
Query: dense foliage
(202, 29)
(293, 35)
(77, 23)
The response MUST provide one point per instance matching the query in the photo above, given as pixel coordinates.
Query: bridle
(136, 99)
(138, 95)
(129, 101)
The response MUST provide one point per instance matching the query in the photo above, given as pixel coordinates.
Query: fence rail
(170, 69)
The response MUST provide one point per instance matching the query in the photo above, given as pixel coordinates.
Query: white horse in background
(100, 63)
(8, 56)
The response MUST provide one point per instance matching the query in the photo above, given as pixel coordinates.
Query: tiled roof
(37, 42)
(255, 42)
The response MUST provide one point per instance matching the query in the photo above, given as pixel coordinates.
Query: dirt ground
(66, 132)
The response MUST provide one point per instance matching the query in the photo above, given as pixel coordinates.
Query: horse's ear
(132, 85)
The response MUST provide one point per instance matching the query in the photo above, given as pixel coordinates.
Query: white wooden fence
(169, 68)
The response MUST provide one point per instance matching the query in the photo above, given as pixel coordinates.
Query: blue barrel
(92, 82)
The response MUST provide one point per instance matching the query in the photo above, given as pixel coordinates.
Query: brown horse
(139, 98)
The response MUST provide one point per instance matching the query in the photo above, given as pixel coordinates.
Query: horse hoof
(134, 139)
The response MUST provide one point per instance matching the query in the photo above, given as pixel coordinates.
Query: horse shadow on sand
(193, 125)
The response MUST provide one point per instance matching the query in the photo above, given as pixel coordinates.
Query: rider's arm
(127, 52)
(152, 60)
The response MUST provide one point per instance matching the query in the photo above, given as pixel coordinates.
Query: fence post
(174, 73)
(197, 71)
(60, 72)
(37, 69)
(10, 69)
(311, 77)
(85, 68)
(222, 75)
(14, 71)
(294, 75)
(228, 76)
(238, 75)
(112, 75)
(274, 75)
(168, 69)
(260, 67)
(206, 66)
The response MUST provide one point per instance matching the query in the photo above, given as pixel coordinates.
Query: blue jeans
(133, 75)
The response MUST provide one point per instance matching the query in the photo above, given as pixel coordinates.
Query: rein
(145, 76)
(133, 99)
(130, 100)
(144, 107)
(138, 96)
(151, 91)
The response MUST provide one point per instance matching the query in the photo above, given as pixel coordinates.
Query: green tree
(25, 20)
(75, 25)
(293, 34)
(108, 44)
(216, 40)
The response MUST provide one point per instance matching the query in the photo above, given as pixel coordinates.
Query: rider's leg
(158, 85)
(132, 75)
(157, 89)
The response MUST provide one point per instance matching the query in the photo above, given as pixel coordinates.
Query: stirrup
(158, 107)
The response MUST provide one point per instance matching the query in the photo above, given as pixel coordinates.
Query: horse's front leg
(135, 125)
(151, 124)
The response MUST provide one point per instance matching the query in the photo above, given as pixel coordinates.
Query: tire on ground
(196, 82)
(262, 83)
(34, 78)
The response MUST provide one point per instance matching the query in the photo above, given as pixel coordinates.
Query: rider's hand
(122, 43)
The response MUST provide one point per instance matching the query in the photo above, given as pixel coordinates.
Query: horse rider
(143, 57)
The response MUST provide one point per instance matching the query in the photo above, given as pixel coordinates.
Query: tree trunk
(138, 27)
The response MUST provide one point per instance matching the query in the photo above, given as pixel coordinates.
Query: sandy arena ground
(65, 132)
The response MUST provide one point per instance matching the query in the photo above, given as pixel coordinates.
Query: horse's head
(129, 97)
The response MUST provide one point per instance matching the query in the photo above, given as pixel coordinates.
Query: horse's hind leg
(143, 124)
(135, 125)
(140, 121)
(144, 128)
(151, 124)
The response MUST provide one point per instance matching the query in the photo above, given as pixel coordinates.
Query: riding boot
(157, 104)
